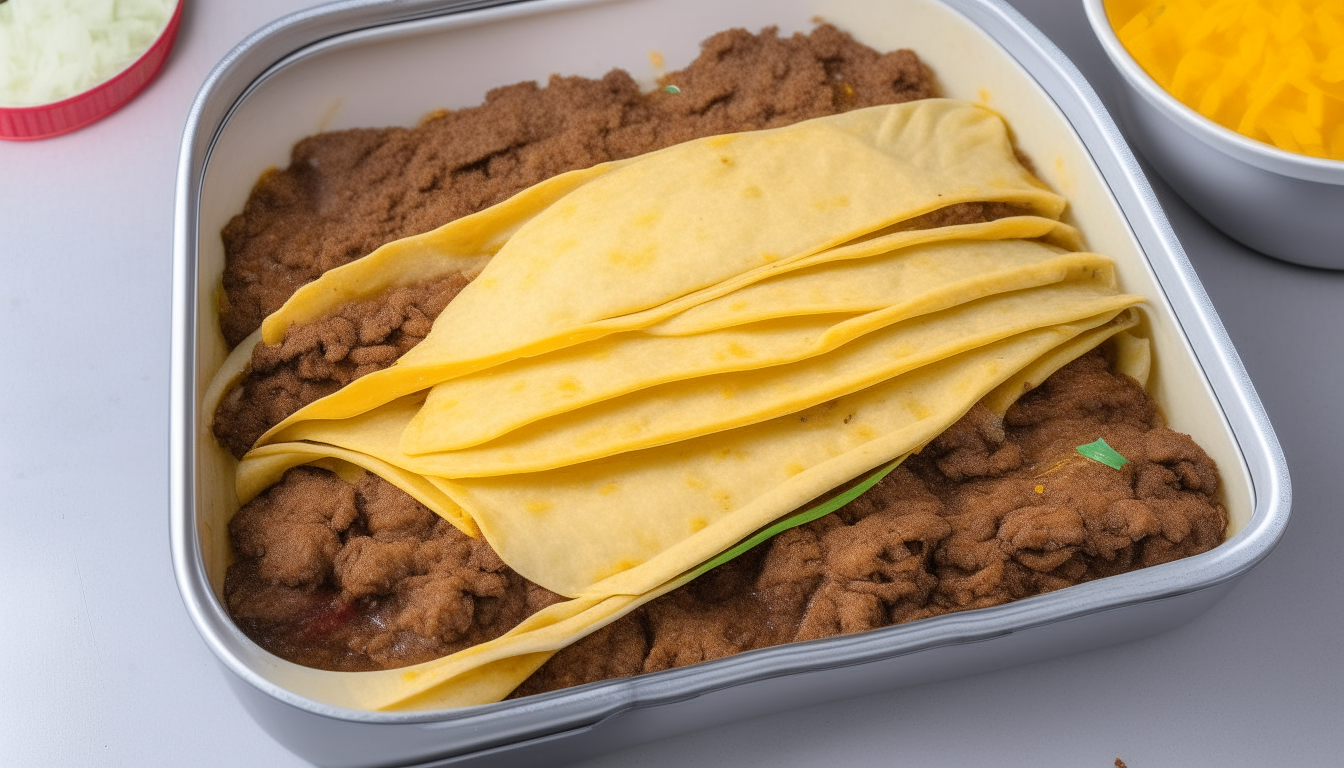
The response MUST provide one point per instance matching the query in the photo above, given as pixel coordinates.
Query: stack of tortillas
(660, 356)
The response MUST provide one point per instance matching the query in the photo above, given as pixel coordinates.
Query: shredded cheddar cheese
(1268, 69)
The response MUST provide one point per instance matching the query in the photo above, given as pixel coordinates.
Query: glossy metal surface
(611, 714)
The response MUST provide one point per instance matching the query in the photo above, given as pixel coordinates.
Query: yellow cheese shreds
(1268, 69)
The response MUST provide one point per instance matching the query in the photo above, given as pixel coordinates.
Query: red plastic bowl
(58, 117)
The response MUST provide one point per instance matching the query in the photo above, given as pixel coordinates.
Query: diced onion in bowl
(53, 49)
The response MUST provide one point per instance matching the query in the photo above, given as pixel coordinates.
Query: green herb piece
(1100, 451)
(671, 89)
(821, 510)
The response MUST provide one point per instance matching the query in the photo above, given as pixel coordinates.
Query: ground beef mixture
(356, 575)
(360, 576)
(315, 359)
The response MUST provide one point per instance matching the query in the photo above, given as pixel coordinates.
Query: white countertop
(99, 664)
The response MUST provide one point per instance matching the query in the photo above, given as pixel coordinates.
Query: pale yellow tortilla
(705, 405)
(463, 246)
(1134, 357)
(473, 409)
(862, 277)
(666, 232)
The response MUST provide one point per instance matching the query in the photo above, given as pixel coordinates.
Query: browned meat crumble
(361, 576)
(318, 358)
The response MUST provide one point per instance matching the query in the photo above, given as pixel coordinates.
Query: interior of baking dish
(394, 75)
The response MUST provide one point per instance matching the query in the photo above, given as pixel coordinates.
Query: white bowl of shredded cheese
(66, 63)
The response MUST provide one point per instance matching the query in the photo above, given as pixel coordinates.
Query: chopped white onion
(53, 49)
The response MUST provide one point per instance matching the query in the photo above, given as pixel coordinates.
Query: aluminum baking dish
(369, 63)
